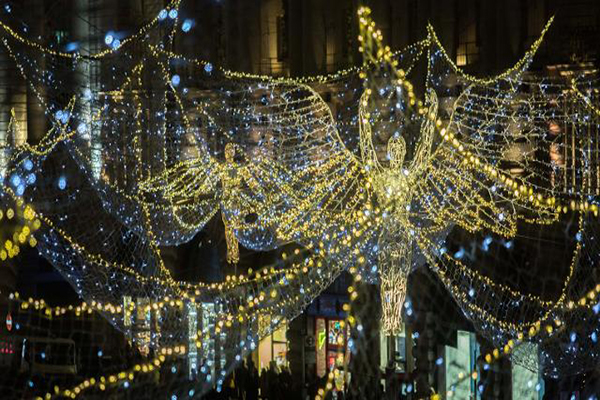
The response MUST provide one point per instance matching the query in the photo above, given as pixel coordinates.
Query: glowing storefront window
(393, 349)
(192, 332)
(208, 317)
(331, 344)
(336, 333)
(127, 301)
(459, 359)
(273, 348)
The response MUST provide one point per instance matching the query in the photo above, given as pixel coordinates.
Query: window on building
(458, 359)
(467, 51)
(331, 45)
(282, 40)
(347, 34)
(393, 349)
(60, 36)
(272, 349)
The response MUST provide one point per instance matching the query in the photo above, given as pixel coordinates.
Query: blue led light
(15, 180)
(173, 14)
(486, 243)
(31, 178)
(460, 253)
(187, 25)
(70, 47)
(208, 68)
(28, 164)
(108, 39)
(115, 44)
(163, 14)
(62, 116)
(62, 183)
(175, 80)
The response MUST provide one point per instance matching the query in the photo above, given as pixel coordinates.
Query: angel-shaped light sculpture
(391, 206)
(425, 182)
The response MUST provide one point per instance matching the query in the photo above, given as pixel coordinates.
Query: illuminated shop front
(396, 352)
(211, 354)
(205, 347)
(273, 349)
(458, 359)
(394, 349)
(526, 378)
(331, 333)
(331, 342)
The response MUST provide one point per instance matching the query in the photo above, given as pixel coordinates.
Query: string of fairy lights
(371, 183)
